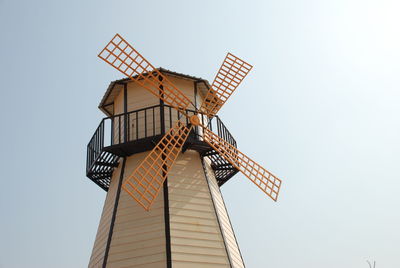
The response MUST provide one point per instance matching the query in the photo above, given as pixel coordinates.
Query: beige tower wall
(138, 238)
(196, 236)
(227, 231)
(200, 231)
(139, 97)
(96, 259)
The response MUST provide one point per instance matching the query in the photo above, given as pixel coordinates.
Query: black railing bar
(187, 119)
(98, 139)
(102, 136)
(129, 126)
(219, 130)
(151, 107)
(162, 111)
(122, 129)
(138, 110)
(119, 129)
(101, 122)
(128, 138)
(145, 123)
(115, 131)
(116, 127)
(154, 123)
(112, 132)
(95, 141)
(170, 117)
(224, 134)
(137, 125)
(220, 121)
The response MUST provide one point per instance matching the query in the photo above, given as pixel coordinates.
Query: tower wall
(200, 233)
(138, 238)
(226, 227)
(99, 247)
(196, 236)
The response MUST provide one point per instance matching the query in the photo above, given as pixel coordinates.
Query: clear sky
(320, 109)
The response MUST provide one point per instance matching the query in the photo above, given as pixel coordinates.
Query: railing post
(145, 123)
(119, 129)
(128, 127)
(154, 123)
(137, 124)
(125, 112)
(162, 115)
(112, 131)
(102, 135)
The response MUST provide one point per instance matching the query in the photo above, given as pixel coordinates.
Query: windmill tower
(161, 164)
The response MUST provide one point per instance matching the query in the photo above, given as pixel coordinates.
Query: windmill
(170, 167)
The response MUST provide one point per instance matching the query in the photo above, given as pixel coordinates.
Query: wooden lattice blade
(261, 177)
(145, 182)
(123, 57)
(231, 73)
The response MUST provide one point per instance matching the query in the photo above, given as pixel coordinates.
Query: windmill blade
(231, 73)
(123, 57)
(261, 177)
(145, 182)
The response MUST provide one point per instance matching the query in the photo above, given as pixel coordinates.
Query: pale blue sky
(320, 109)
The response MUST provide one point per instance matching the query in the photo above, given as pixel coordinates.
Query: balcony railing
(140, 125)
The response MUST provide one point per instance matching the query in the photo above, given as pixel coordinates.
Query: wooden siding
(229, 236)
(139, 98)
(119, 101)
(197, 215)
(96, 259)
(119, 109)
(139, 236)
(196, 239)
(187, 87)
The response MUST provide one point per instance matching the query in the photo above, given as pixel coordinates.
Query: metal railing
(95, 145)
(146, 123)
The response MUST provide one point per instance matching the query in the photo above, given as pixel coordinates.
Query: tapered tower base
(187, 226)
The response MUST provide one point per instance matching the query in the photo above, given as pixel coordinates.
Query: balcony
(138, 131)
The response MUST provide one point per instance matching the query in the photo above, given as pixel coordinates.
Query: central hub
(194, 120)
